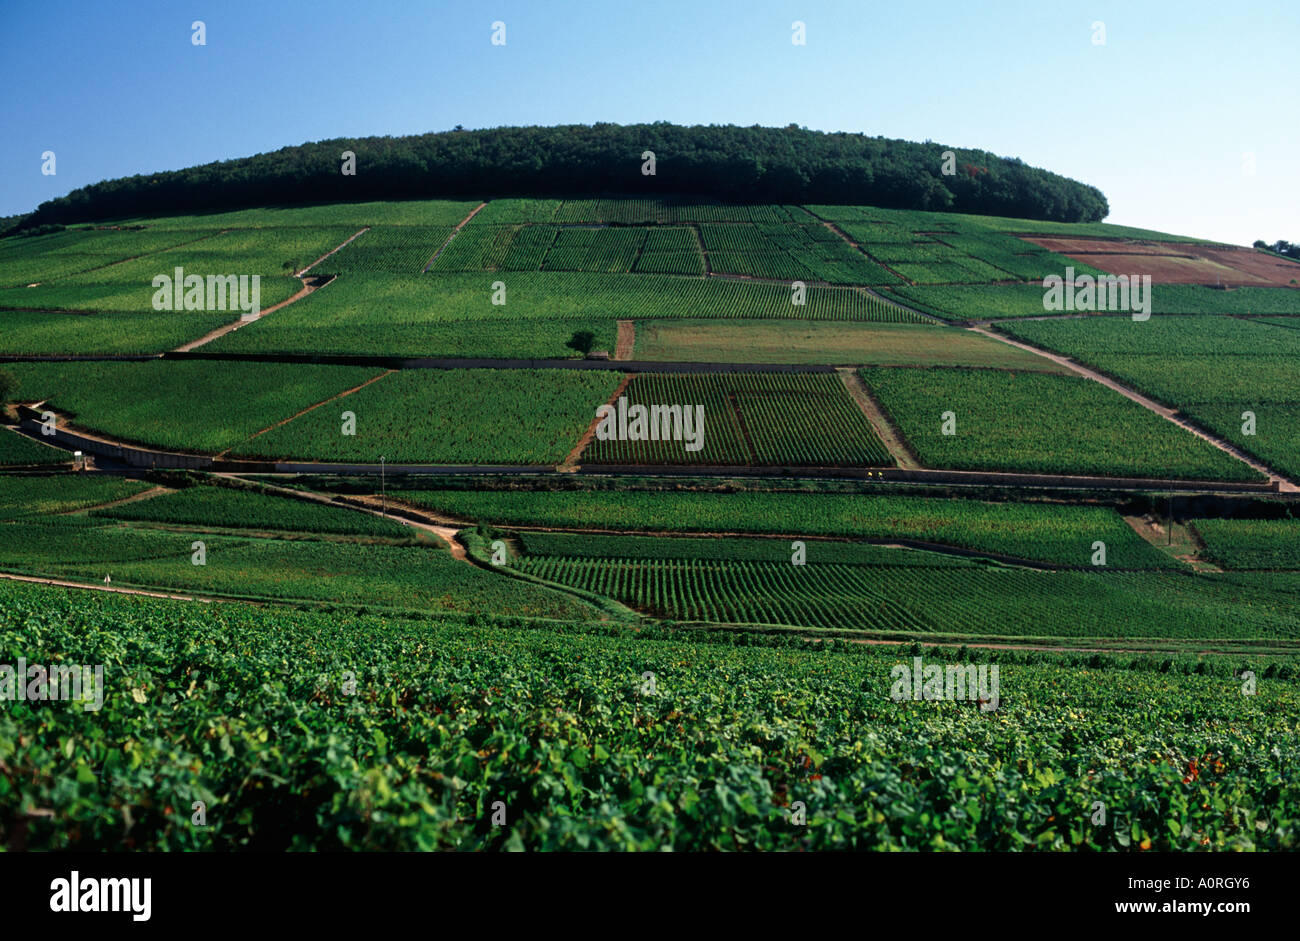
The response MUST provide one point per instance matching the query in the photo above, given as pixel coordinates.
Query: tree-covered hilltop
(749, 164)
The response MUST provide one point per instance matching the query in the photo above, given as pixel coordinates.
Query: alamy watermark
(34, 682)
(183, 291)
(623, 422)
(946, 682)
(1103, 292)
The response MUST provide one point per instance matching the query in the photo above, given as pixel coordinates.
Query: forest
(720, 162)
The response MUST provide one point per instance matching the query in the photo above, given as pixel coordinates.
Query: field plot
(17, 450)
(951, 599)
(1251, 544)
(453, 314)
(1213, 369)
(728, 549)
(31, 333)
(765, 341)
(961, 302)
(1056, 535)
(789, 253)
(749, 418)
(452, 416)
(83, 293)
(408, 578)
(28, 259)
(190, 405)
(229, 508)
(1038, 422)
(1177, 262)
(61, 493)
(400, 249)
(432, 212)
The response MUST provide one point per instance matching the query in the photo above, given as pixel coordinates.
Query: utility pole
(383, 493)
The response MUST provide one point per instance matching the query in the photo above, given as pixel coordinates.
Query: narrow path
(890, 436)
(308, 286)
(626, 340)
(335, 249)
(309, 408)
(143, 495)
(454, 232)
(446, 533)
(1284, 485)
(373, 506)
(699, 240)
(570, 463)
(62, 583)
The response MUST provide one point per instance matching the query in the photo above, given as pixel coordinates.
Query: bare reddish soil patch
(1176, 262)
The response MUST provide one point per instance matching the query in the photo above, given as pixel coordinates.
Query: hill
(747, 164)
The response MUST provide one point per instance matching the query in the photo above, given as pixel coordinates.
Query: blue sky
(1162, 117)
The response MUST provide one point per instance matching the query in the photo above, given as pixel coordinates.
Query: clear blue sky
(1161, 117)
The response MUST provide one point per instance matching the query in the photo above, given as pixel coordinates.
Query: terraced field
(452, 416)
(998, 420)
(944, 599)
(1216, 370)
(742, 419)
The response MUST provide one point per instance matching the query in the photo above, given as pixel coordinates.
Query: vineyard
(941, 599)
(31, 496)
(227, 508)
(1215, 370)
(749, 418)
(187, 405)
(395, 249)
(1058, 535)
(501, 608)
(1251, 544)
(448, 416)
(985, 419)
(18, 451)
(561, 727)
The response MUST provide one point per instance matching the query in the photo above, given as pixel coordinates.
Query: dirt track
(626, 340)
(1284, 485)
(885, 431)
(308, 286)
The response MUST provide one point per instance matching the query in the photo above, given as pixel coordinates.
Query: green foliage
(1061, 535)
(749, 164)
(582, 341)
(231, 508)
(750, 418)
(730, 548)
(17, 450)
(1251, 544)
(1215, 370)
(449, 416)
(60, 493)
(188, 405)
(1002, 602)
(246, 710)
(1039, 422)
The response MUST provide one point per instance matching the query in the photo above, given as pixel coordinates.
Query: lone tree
(8, 386)
(582, 341)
